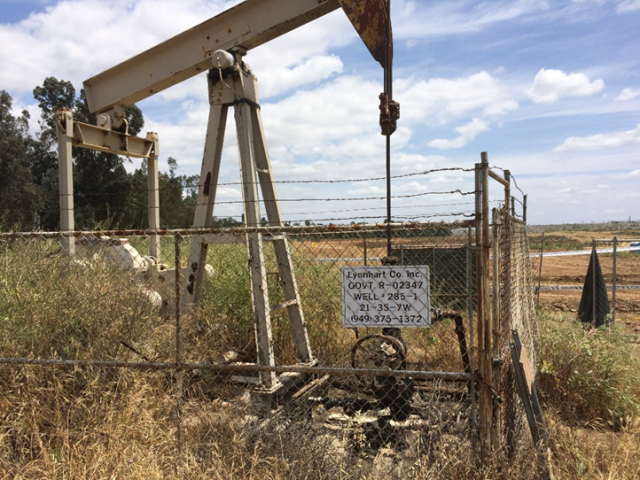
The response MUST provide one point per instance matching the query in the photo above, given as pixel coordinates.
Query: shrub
(590, 376)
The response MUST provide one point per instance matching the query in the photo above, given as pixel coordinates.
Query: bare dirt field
(572, 270)
(556, 270)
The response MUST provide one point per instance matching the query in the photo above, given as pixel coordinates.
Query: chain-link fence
(346, 363)
(377, 357)
(619, 261)
(512, 266)
(563, 272)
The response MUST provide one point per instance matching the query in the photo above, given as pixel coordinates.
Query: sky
(549, 89)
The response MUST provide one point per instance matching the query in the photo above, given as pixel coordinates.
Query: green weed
(589, 376)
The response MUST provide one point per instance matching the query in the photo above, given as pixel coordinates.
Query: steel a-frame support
(103, 139)
(239, 88)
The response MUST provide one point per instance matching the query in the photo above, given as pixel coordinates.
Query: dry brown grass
(84, 423)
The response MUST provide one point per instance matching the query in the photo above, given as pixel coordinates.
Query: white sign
(386, 296)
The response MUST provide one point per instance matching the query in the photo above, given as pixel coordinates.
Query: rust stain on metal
(207, 184)
(369, 19)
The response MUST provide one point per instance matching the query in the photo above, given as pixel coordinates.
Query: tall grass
(589, 376)
(52, 306)
(80, 423)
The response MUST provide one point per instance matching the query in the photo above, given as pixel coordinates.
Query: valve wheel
(379, 352)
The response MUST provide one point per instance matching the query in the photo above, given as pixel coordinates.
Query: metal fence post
(178, 332)
(486, 306)
(593, 278)
(495, 296)
(613, 292)
(480, 311)
(364, 242)
(540, 270)
(472, 386)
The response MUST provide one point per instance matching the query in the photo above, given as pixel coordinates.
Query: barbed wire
(394, 217)
(350, 199)
(353, 180)
(515, 183)
(395, 207)
(186, 186)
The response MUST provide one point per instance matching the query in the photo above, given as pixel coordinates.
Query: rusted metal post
(513, 206)
(472, 356)
(524, 208)
(506, 254)
(388, 183)
(613, 286)
(486, 306)
(505, 277)
(507, 189)
(482, 411)
(496, 361)
(484, 331)
(364, 242)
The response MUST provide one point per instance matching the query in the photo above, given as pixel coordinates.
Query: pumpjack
(218, 46)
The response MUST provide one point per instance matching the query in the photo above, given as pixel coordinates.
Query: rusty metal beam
(368, 17)
(248, 25)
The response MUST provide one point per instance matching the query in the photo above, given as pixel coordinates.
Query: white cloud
(420, 20)
(371, 190)
(76, 39)
(635, 173)
(441, 100)
(602, 140)
(599, 2)
(550, 85)
(627, 94)
(282, 79)
(628, 6)
(467, 133)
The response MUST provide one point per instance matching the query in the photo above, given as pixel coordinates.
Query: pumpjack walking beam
(235, 85)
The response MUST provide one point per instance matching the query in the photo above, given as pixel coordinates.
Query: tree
(135, 215)
(171, 197)
(177, 209)
(53, 94)
(18, 194)
(101, 183)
